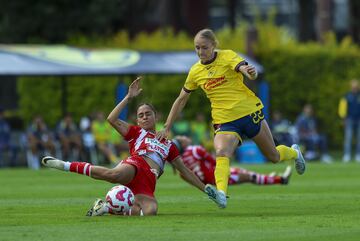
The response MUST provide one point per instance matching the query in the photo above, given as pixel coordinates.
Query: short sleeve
(173, 153)
(133, 130)
(233, 59)
(190, 83)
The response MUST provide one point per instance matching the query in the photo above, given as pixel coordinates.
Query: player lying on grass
(145, 164)
(202, 163)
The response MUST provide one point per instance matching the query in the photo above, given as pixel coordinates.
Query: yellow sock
(286, 153)
(222, 172)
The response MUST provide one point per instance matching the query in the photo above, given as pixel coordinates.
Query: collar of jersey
(212, 60)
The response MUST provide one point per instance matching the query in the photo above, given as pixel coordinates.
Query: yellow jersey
(101, 131)
(229, 97)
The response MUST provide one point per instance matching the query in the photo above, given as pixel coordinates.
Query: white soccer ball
(119, 199)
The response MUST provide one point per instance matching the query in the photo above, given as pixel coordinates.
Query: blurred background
(65, 64)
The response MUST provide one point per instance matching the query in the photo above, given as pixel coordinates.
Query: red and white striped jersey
(199, 161)
(142, 142)
(203, 164)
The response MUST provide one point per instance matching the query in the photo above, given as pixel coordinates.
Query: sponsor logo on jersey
(214, 82)
(155, 145)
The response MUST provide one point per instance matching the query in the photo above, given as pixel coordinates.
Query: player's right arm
(176, 108)
(121, 126)
(179, 104)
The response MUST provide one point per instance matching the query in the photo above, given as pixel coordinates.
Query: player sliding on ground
(235, 109)
(145, 164)
(202, 163)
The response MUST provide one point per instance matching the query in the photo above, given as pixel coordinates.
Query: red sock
(83, 168)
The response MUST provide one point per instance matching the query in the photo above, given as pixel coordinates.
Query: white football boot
(98, 208)
(300, 164)
(52, 162)
(218, 197)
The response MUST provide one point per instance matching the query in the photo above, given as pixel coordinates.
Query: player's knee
(222, 152)
(150, 210)
(135, 209)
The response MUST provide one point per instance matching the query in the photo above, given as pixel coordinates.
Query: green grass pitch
(323, 204)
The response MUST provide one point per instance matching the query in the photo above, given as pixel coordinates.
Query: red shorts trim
(144, 181)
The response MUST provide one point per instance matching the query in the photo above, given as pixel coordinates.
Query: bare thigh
(225, 144)
(122, 173)
(265, 141)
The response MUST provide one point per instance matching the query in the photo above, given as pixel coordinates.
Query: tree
(306, 20)
(53, 21)
(323, 18)
(354, 13)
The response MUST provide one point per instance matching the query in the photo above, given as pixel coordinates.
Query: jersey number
(257, 116)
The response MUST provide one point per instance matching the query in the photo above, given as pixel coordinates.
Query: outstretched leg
(122, 173)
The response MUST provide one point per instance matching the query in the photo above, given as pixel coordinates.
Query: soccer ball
(119, 199)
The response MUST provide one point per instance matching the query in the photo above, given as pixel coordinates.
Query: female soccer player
(236, 110)
(146, 163)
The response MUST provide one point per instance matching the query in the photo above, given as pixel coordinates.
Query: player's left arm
(248, 70)
(187, 175)
(239, 64)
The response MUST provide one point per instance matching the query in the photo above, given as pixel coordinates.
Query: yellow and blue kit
(229, 97)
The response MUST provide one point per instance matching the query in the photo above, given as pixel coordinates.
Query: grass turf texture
(51, 205)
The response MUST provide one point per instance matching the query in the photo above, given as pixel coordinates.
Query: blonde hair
(209, 35)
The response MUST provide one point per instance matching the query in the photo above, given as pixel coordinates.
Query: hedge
(298, 73)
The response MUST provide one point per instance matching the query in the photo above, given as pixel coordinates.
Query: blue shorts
(248, 126)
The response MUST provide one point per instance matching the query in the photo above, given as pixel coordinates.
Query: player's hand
(134, 88)
(249, 71)
(162, 134)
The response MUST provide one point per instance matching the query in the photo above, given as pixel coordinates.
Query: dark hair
(148, 104)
